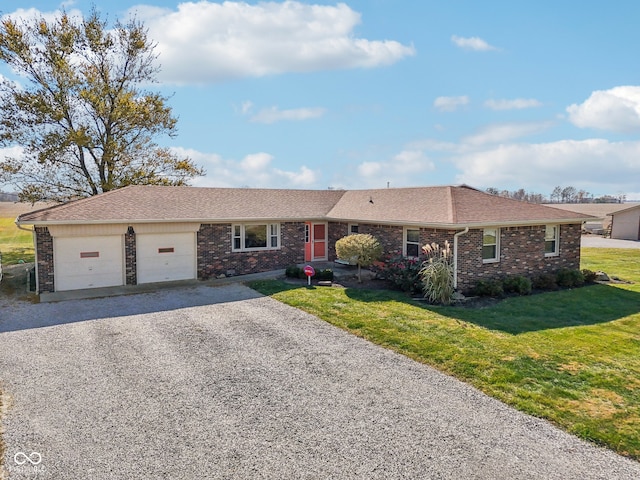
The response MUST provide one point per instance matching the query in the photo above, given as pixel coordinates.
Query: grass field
(15, 244)
(570, 356)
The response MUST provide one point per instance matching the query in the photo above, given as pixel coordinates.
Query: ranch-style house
(148, 234)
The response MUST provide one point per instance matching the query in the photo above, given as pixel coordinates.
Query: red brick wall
(44, 254)
(521, 249)
(521, 253)
(130, 259)
(215, 257)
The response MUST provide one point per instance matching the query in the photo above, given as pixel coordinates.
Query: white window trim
(242, 237)
(404, 242)
(496, 259)
(556, 252)
(350, 227)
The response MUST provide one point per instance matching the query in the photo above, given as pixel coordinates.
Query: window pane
(489, 252)
(550, 232)
(255, 236)
(550, 247)
(236, 231)
(489, 237)
(236, 244)
(353, 229)
(413, 236)
(412, 250)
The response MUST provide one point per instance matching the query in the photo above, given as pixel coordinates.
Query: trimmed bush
(489, 288)
(569, 278)
(361, 248)
(519, 285)
(545, 281)
(326, 274)
(403, 273)
(589, 275)
(293, 271)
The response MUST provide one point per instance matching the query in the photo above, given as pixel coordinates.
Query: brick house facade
(429, 214)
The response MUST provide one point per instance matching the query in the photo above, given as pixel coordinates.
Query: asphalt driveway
(221, 383)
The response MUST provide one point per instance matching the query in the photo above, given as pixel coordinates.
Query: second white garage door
(162, 257)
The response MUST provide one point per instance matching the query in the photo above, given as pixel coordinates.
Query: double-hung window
(551, 240)
(258, 236)
(490, 245)
(411, 242)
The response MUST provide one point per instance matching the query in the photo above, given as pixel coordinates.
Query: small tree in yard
(437, 273)
(361, 248)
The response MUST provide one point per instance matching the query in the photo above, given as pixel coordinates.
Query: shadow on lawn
(589, 305)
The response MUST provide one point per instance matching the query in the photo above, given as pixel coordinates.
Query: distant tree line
(8, 197)
(558, 195)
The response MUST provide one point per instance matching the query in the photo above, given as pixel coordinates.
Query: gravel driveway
(221, 383)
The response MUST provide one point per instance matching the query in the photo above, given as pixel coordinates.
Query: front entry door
(319, 241)
(315, 242)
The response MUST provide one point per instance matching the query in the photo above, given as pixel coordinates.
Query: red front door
(315, 238)
(319, 239)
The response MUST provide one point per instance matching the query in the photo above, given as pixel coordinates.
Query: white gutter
(455, 256)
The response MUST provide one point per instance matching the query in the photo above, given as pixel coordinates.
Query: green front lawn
(571, 356)
(15, 244)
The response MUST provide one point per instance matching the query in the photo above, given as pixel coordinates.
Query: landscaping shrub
(437, 274)
(326, 274)
(519, 285)
(545, 281)
(361, 248)
(569, 278)
(589, 275)
(403, 273)
(293, 271)
(489, 288)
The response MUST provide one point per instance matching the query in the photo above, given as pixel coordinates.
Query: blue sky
(370, 93)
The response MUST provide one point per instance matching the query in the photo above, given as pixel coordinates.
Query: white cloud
(273, 114)
(400, 170)
(254, 170)
(472, 43)
(504, 132)
(207, 42)
(515, 104)
(450, 104)
(617, 109)
(596, 165)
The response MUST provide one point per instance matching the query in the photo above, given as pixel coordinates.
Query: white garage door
(88, 262)
(163, 257)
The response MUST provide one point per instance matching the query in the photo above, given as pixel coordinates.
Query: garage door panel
(88, 262)
(164, 257)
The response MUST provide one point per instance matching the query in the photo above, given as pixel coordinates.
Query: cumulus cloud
(254, 170)
(399, 170)
(617, 110)
(274, 114)
(207, 42)
(450, 104)
(504, 132)
(472, 43)
(578, 162)
(515, 104)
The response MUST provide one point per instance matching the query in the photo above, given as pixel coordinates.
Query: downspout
(455, 256)
(35, 249)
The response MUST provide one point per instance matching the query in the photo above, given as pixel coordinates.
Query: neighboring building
(146, 234)
(602, 213)
(625, 224)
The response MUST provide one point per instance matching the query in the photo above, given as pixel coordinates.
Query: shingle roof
(432, 206)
